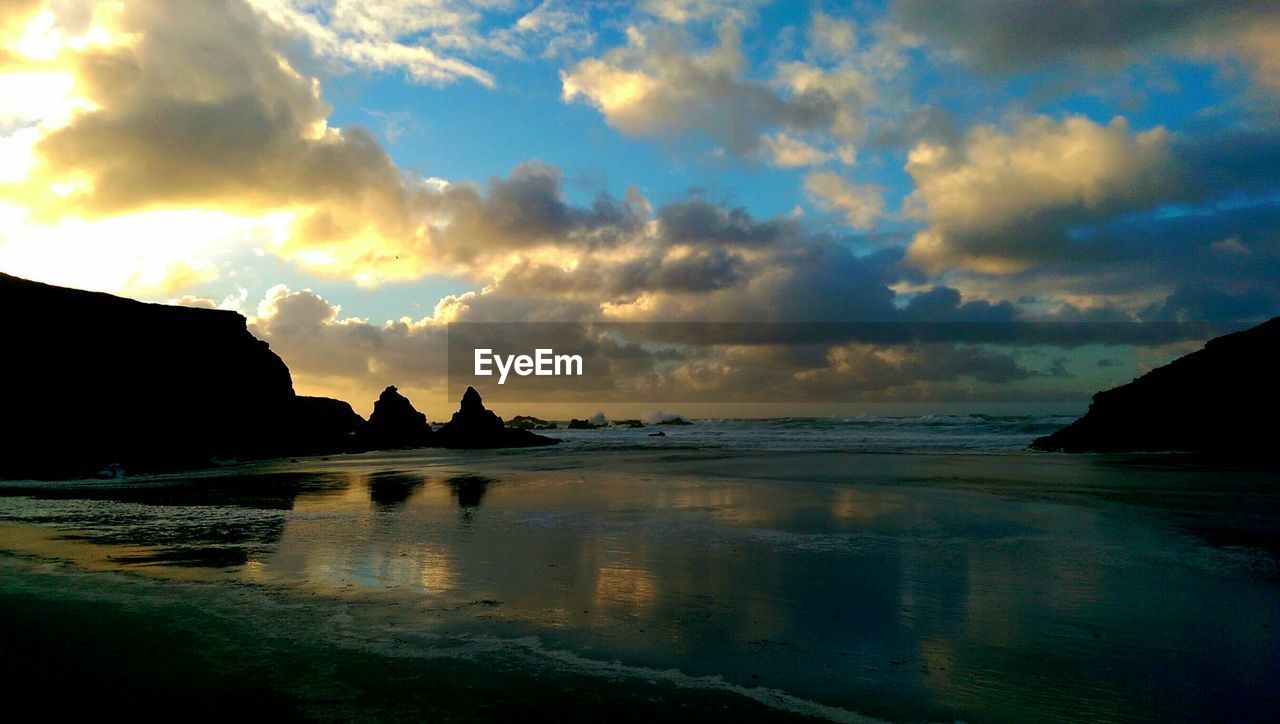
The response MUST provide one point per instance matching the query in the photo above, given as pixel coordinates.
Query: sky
(353, 176)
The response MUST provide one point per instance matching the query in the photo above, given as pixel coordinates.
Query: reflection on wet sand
(908, 602)
(850, 504)
(469, 490)
(214, 521)
(388, 489)
(631, 588)
(435, 569)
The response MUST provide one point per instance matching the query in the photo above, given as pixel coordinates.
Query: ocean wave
(975, 433)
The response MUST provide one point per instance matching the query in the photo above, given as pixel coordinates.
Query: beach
(853, 570)
(654, 361)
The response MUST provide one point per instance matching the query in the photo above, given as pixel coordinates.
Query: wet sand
(635, 584)
(72, 656)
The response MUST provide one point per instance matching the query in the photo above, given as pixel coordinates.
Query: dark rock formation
(1210, 401)
(658, 434)
(395, 423)
(322, 425)
(527, 422)
(674, 421)
(472, 418)
(628, 423)
(93, 379)
(96, 383)
(576, 424)
(473, 426)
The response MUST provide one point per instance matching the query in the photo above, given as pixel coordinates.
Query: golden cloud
(996, 199)
(150, 123)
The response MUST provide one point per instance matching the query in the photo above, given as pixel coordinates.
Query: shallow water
(940, 586)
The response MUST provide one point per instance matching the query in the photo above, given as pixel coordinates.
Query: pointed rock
(473, 426)
(471, 404)
(395, 423)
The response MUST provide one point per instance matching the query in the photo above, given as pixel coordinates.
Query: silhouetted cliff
(93, 379)
(1218, 399)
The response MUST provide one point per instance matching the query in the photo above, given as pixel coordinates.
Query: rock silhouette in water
(395, 423)
(674, 421)
(1207, 401)
(473, 426)
(527, 422)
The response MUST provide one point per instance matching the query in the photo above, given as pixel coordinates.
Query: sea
(858, 569)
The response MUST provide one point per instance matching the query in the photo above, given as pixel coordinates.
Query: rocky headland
(96, 380)
(1215, 400)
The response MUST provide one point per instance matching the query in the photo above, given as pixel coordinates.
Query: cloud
(1175, 265)
(432, 41)
(999, 201)
(656, 85)
(1148, 213)
(524, 212)
(138, 254)
(830, 36)
(662, 271)
(867, 367)
(348, 357)
(787, 151)
(565, 25)
(842, 372)
(240, 131)
(381, 35)
(145, 125)
(244, 133)
(1012, 35)
(813, 281)
(687, 11)
(698, 221)
(690, 84)
(18, 15)
(153, 163)
(850, 89)
(1202, 303)
(944, 304)
(713, 264)
(353, 358)
(861, 204)
(1258, 45)
(620, 258)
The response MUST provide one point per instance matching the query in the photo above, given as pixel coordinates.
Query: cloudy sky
(353, 175)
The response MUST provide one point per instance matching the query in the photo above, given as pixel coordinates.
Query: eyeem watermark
(543, 363)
